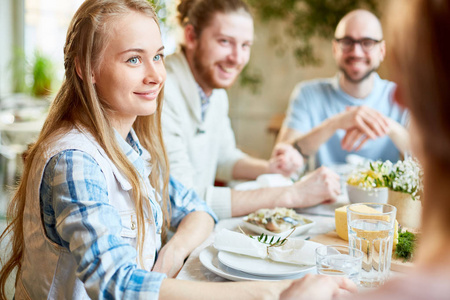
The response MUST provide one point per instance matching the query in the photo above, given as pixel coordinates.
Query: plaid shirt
(204, 101)
(78, 216)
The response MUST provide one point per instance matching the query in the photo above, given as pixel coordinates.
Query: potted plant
(402, 182)
(366, 184)
(43, 75)
(405, 183)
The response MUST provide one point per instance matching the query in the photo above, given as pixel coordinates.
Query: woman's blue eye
(158, 57)
(134, 60)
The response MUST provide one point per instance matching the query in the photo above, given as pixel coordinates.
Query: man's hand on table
(319, 287)
(319, 186)
(285, 160)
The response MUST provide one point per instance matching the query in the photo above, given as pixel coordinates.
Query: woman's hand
(191, 232)
(170, 260)
(319, 287)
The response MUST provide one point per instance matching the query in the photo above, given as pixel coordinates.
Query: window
(45, 27)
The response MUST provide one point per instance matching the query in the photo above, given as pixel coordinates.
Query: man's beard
(206, 73)
(359, 80)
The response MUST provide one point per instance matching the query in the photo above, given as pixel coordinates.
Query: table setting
(230, 253)
(238, 257)
(340, 240)
(203, 264)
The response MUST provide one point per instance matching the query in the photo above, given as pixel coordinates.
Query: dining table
(324, 222)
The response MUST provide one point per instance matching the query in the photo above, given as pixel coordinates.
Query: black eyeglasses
(347, 43)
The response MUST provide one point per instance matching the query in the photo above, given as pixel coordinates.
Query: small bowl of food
(357, 194)
(277, 222)
(366, 186)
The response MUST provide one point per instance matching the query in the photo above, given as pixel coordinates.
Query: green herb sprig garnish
(405, 246)
(273, 242)
(263, 238)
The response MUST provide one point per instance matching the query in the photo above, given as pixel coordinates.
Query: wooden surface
(331, 238)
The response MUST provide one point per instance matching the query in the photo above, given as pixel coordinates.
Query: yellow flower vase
(409, 211)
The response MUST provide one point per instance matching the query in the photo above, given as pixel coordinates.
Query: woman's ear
(78, 70)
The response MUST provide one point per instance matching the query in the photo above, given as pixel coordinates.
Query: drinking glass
(371, 230)
(337, 260)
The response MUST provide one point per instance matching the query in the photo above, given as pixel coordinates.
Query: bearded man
(200, 143)
(353, 112)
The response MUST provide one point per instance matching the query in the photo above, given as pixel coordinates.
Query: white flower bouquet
(403, 176)
(406, 177)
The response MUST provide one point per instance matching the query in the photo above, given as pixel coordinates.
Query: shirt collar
(140, 158)
(134, 151)
(203, 97)
(204, 100)
(337, 87)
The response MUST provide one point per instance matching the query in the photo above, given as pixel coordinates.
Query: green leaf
(261, 237)
(405, 246)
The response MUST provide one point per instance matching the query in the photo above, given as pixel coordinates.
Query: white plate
(258, 266)
(208, 258)
(301, 229)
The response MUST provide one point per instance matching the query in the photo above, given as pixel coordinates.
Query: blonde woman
(93, 203)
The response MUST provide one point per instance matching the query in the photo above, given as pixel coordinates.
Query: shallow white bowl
(357, 194)
(300, 229)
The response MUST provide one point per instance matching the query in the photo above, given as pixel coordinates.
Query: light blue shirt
(74, 189)
(313, 102)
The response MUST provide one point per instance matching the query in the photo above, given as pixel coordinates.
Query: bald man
(354, 111)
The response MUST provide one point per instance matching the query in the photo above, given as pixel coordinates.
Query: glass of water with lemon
(371, 230)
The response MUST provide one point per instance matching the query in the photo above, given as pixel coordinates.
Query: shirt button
(133, 224)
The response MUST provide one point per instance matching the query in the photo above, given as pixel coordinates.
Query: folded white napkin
(294, 251)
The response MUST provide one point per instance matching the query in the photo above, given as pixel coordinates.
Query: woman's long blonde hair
(77, 105)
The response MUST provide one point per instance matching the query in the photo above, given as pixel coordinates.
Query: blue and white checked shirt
(77, 215)
(204, 101)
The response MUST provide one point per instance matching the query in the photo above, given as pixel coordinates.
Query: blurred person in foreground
(420, 65)
(354, 111)
(218, 35)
